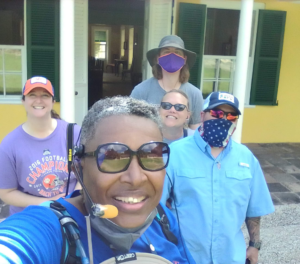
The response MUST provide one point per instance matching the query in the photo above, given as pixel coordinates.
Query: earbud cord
(172, 194)
(79, 176)
(69, 172)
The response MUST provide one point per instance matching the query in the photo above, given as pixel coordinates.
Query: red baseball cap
(38, 82)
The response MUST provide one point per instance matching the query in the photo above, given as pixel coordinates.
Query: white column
(67, 91)
(242, 57)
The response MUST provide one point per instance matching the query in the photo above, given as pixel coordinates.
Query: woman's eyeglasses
(168, 106)
(116, 157)
(220, 114)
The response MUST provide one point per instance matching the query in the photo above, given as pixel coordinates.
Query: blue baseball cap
(220, 98)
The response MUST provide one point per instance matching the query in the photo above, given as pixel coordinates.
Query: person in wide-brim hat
(171, 63)
(175, 42)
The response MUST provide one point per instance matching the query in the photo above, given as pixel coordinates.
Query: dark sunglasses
(217, 113)
(116, 157)
(168, 106)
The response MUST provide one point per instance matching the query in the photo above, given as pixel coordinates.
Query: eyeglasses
(168, 106)
(116, 157)
(220, 114)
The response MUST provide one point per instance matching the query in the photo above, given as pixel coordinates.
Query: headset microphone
(103, 211)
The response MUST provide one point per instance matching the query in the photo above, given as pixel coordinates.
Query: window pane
(221, 32)
(207, 88)
(224, 86)
(209, 68)
(1, 60)
(12, 60)
(225, 68)
(1, 84)
(101, 55)
(13, 84)
(102, 48)
(12, 22)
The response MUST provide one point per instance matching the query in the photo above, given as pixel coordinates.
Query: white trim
(24, 63)
(16, 99)
(251, 57)
(237, 6)
(229, 4)
(249, 106)
(292, 2)
(108, 42)
(11, 98)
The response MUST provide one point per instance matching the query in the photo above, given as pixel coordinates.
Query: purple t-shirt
(37, 166)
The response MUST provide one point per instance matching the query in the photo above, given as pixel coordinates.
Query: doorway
(132, 27)
(116, 29)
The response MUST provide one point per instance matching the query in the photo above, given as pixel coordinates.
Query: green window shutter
(43, 40)
(191, 29)
(267, 60)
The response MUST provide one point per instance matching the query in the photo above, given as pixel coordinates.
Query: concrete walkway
(280, 231)
(281, 166)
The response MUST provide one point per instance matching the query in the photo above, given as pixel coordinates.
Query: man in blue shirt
(217, 184)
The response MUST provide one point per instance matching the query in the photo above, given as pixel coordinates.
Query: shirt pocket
(189, 183)
(238, 186)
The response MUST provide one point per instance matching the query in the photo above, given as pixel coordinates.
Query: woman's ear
(188, 115)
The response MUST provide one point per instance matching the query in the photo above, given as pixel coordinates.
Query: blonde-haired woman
(175, 115)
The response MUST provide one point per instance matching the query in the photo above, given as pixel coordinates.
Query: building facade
(30, 44)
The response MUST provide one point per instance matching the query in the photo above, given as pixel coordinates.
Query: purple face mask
(171, 62)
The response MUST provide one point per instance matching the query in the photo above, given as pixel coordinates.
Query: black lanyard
(185, 132)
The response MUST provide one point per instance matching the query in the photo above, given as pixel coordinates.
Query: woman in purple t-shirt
(33, 157)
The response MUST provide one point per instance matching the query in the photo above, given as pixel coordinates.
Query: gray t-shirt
(189, 131)
(152, 92)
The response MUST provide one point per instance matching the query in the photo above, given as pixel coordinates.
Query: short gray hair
(116, 106)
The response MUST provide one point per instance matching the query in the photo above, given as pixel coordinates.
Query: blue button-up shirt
(214, 196)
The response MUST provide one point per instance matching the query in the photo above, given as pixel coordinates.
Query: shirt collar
(205, 147)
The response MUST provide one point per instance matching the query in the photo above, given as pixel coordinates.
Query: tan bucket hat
(175, 42)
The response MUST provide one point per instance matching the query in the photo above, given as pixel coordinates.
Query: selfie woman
(121, 162)
(175, 114)
(170, 64)
(33, 157)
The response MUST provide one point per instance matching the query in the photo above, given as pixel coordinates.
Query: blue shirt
(34, 236)
(214, 196)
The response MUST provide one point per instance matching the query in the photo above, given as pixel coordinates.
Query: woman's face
(171, 117)
(135, 183)
(167, 50)
(38, 103)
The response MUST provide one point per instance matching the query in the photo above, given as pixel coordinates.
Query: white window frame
(237, 6)
(108, 36)
(16, 99)
(217, 74)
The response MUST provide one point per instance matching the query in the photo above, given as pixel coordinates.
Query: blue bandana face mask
(217, 132)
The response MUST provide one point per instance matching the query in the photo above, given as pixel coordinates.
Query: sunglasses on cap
(168, 106)
(217, 113)
(116, 157)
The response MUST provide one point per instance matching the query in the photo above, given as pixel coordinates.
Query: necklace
(163, 86)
